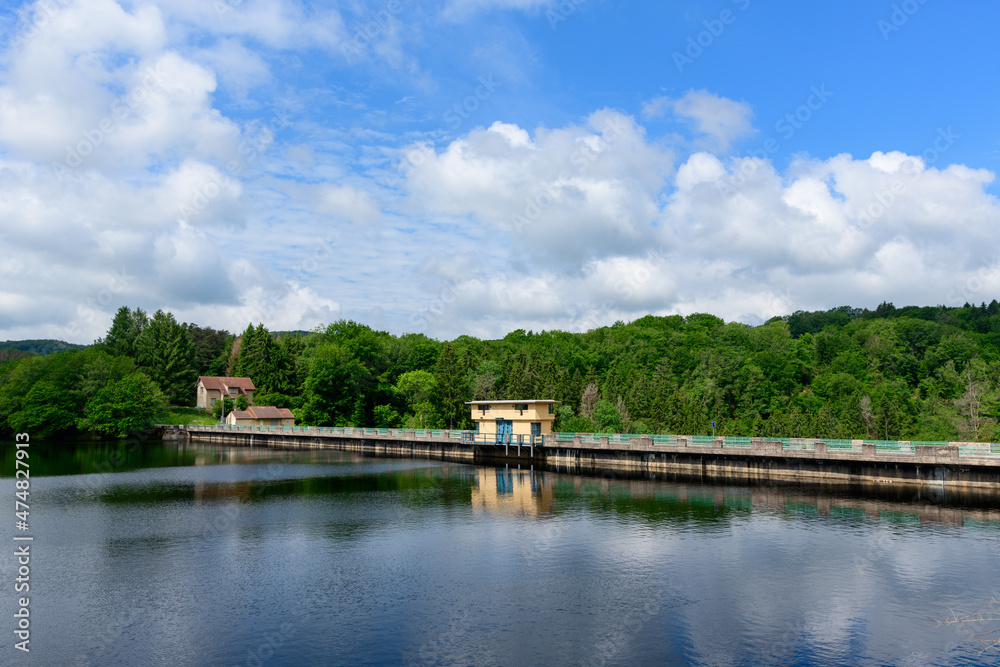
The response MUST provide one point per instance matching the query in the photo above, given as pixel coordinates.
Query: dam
(957, 465)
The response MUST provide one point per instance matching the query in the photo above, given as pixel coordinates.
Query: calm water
(196, 555)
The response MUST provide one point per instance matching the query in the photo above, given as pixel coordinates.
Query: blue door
(505, 428)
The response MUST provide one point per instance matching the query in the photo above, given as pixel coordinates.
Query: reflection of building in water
(511, 491)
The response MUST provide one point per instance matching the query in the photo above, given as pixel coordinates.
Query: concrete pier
(953, 465)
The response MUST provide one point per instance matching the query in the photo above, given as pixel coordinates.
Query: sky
(474, 167)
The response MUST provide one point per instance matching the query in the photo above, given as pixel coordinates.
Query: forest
(913, 373)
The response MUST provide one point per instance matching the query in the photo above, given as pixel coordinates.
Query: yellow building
(506, 420)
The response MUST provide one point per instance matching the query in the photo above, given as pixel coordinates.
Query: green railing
(990, 449)
(798, 443)
(965, 449)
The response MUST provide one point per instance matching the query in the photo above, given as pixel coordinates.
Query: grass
(181, 416)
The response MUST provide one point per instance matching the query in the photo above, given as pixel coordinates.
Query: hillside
(40, 346)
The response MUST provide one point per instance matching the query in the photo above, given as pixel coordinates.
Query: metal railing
(965, 449)
(510, 439)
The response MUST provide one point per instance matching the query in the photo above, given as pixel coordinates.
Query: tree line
(913, 373)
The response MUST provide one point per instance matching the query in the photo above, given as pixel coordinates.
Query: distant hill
(282, 334)
(46, 346)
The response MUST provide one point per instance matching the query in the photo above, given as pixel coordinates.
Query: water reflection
(512, 492)
(354, 560)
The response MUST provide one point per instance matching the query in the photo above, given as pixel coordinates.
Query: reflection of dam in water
(511, 492)
(532, 491)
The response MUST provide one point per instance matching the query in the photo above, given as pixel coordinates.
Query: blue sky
(476, 166)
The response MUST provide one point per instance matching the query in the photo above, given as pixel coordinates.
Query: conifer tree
(124, 332)
(166, 354)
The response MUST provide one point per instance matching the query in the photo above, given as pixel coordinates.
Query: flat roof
(512, 400)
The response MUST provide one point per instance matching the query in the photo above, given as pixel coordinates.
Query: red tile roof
(263, 412)
(224, 383)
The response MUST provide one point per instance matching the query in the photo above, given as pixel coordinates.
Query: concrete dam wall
(956, 465)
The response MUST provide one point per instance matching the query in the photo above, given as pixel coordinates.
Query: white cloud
(502, 227)
(719, 119)
(457, 10)
(566, 195)
(735, 238)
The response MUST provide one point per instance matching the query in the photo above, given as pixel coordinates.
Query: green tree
(124, 406)
(210, 347)
(608, 418)
(418, 388)
(262, 359)
(122, 338)
(226, 404)
(386, 417)
(451, 388)
(166, 354)
(567, 422)
(333, 384)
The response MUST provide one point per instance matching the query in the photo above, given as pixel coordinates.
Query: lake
(183, 554)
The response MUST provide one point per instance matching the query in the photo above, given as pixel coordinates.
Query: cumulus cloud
(564, 195)
(125, 181)
(718, 119)
(742, 240)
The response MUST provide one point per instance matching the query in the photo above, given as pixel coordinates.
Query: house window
(232, 390)
(201, 389)
(484, 408)
(521, 407)
(213, 401)
(552, 408)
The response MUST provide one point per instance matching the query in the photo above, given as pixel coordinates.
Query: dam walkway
(960, 464)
